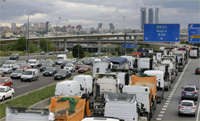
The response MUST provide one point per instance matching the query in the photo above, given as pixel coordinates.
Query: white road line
(23, 86)
(162, 111)
(198, 113)
(168, 101)
(160, 115)
(164, 108)
(159, 119)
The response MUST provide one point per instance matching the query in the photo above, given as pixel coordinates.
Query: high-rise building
(13, 26)
(157, 15)
(36, 26)
(47, 26)
(151, 16)
(111, 26)
(100, 25)
(142, 17)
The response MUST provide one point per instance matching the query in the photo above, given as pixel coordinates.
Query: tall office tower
(100, 25)
(111, 26)
(36, 26)
(47, 26)
(151, 16)
(157, 15)
(142, 17)
(13, 26)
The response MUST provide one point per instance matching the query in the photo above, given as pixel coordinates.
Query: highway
(168, 109)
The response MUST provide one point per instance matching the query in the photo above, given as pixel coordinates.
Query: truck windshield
(60, 58)
(28, 73)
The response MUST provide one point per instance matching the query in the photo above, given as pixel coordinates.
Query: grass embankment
(8, 53)
(31, 98)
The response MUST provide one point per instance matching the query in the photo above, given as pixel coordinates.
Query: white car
(33, 62)
(187, 107)
(6, 92)
(6, 68)
(10, 62)
(70, 67)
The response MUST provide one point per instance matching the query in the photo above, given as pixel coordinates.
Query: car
(62, 74)
(10, 62)
(49, 71)
(51, 62)
(17, 74)
(1, 74)
(70, 67)
(84, 68)
(78, 64)
(186, 107)
(44, 66)
(189, 92)
(6, 69)
(25, 66)
(42, 53)
(18, 64)
(30, 75)
(6, 81)
(64, 63)
(50, 53)
(14, 56)
(33, 62)
(6, 92)
(197, 70)
(40, 62)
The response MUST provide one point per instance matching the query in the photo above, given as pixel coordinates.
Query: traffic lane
(25, 87)
(166, 94)
(188, 78)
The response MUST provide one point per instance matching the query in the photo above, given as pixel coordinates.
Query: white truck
(180, 60)
(28, 114)
(173, 57)
(167, 76)
(118, 63)
(160, 83)
(145, 64)
(194, 52)
(101, 67)
(86, 83)
(103, 83)
(60, 58)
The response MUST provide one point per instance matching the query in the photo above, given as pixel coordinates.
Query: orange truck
(144, 87)
(71, 108)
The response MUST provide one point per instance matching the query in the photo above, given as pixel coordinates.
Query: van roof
(67, 82)
(83, 76)
(31, 69)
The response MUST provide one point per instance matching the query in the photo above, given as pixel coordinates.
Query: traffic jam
(128, 87)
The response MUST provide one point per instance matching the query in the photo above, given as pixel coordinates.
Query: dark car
(64, 63)
(197, 70)
(78, 64)
(17, 73)
(83, 68)
(189, 92)
(51, 62)
(50, 71)
(6, 81)
(44, 66)
(42, 53)
(50, 53)
(14, 56)
(62, 74)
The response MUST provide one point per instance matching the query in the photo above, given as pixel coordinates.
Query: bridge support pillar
(124, 44)
(65, 44)
(99, 47)
(136, 40)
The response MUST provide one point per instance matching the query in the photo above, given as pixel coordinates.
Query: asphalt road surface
(168, 109)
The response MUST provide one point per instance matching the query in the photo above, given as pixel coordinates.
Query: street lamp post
(27, 42)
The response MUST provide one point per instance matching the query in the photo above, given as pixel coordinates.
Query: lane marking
(162, 111)
(198, 113)
(23, 86)
(160, 115)
(168, 101)
(158, 118)
(164, 108)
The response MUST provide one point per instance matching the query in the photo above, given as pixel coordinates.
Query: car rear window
(187, 104)
(189, 89)
(198, 68)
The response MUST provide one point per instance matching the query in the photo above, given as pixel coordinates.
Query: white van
(68, 88)
(30, 75)
(60, 58)
(86, 83)
(33, 62)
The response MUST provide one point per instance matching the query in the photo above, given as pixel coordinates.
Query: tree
(119, 50)
(20, 45)
(75, 51)
(43, 44)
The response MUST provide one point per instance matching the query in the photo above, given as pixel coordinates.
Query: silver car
(189, 92)
(187, 107)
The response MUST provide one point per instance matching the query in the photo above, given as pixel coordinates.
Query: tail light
(192, 107)
(158, 96)
(181, 107)
(195, 92)
(183, 91)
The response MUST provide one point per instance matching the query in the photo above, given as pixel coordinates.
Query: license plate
(188, 94)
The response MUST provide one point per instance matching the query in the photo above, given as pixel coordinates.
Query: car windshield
(2, 89)
(84, 67)
(18, 71)
(32, 62)
(189, 89)
(79, 63)
(4, 67)
(62, 71)
(60, 58)
(2, 80)
(13, 54)
(49, 69)
(186, 104)
(24, 65)
(28, 73)
(68, 65)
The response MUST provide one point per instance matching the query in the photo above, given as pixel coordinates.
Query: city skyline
(92, 12)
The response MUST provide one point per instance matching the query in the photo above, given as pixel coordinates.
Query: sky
(88, 13)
